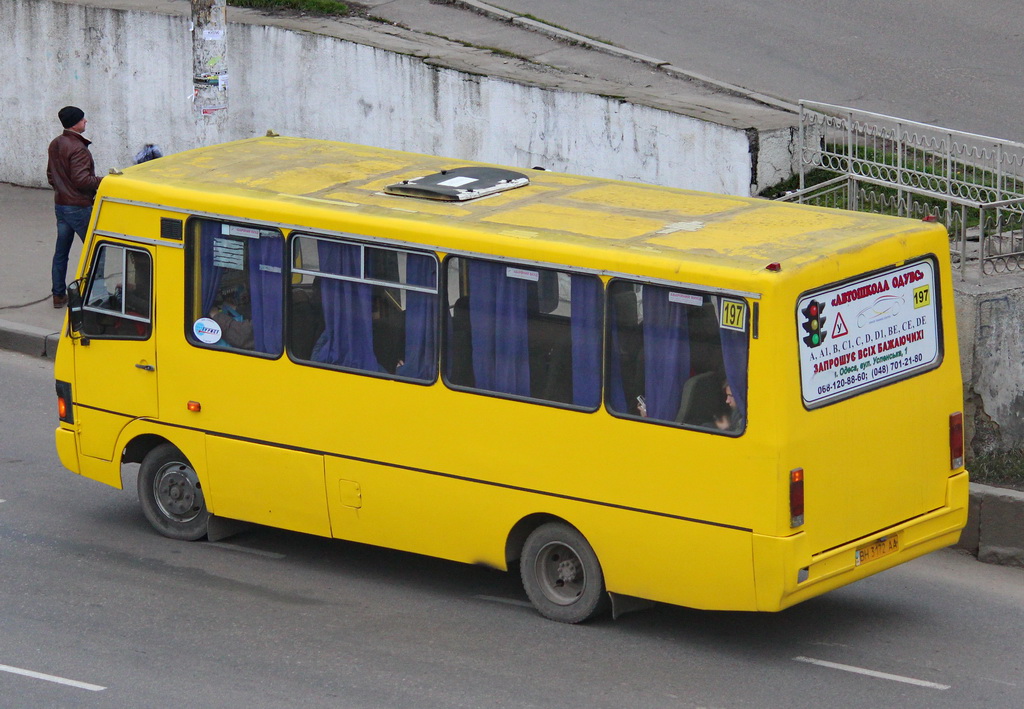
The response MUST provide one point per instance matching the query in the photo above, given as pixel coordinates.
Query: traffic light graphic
(814, 323)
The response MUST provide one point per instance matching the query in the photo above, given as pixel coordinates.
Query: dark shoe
(59, 301)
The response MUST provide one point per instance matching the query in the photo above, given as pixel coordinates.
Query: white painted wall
(131, 73)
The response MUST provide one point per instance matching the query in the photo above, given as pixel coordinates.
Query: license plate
(878, 549)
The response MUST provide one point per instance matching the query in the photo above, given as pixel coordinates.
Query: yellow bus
(623, 391)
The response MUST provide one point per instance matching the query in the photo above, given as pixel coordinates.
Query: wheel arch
(522, 529)
(141, 436)
(140, 445)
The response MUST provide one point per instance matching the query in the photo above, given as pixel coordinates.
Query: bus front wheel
(561, 574)
(171, 496)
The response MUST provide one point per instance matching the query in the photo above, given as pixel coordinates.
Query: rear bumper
(786, 573)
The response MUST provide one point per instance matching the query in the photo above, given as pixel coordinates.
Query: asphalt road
(951, 63)
(89, 594)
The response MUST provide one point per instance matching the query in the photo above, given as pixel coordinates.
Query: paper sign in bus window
(229, 253)
(734, 315)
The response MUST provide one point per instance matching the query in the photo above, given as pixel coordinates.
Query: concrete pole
(210, 69)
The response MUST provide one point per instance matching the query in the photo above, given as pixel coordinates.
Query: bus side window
(237, 287)
(671, 361)
(364, 308)
(522, 331)
(119, 294)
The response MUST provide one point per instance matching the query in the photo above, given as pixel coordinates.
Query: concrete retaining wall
(131, 72)
(990, 324)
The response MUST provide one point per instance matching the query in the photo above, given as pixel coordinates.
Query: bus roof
(608, 224)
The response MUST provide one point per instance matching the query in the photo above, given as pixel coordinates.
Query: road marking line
(872, 673)
(507, 601)
(52, 678)
(998, 681)
(247, 550)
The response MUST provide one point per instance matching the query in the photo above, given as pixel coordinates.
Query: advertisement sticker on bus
(864, 333)
(207, 330)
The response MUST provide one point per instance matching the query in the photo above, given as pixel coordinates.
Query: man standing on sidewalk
(71, 173)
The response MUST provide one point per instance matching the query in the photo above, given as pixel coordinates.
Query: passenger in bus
(720, 416)
(728, 417)
(708, 402)
(228, 312)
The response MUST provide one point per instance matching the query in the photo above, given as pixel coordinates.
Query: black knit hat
(70, 115)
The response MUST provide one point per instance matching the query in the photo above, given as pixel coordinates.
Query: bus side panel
(417, 511)
(672, 561)
(696, 565)
(248, 482)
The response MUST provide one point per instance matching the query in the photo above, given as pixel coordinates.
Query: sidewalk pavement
(28, 229)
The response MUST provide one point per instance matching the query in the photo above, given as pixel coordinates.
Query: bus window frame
(122, 314)
(940, 355)
(191, 238)
(363, 242)
(716, 296)
(529, 265)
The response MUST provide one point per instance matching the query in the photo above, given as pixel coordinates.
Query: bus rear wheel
(561, 574)
(171, 496)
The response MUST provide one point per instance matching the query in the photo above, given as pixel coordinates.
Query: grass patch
(814, 177)
(318, 7)
(1002, 469)
(925, 172)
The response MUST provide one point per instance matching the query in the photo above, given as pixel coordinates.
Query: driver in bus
(236, 328)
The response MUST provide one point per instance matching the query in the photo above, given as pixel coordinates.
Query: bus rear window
(868, 332)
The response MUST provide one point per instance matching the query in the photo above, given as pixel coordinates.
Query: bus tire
(561, 574)
(171, 495)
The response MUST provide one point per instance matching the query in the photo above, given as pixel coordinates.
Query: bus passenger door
(115, 354)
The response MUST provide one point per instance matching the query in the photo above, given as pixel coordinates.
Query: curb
(995, 525)
(28, 339)
(995, 517)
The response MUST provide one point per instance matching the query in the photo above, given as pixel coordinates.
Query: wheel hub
(177, 492)
(568, 570)
(561, 574)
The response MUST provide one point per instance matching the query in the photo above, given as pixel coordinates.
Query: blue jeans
(70, 221)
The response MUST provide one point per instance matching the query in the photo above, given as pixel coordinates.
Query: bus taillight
(796, 497)
(956, 440)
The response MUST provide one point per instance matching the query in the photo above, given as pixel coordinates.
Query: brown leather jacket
(70, 170)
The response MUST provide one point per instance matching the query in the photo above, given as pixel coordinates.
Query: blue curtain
(347, 339)
(420, 320)
(209, 274)
(734, 354)
(585, 292)
(266, 288)
(666, 353)
(616, 394)
(497, 316)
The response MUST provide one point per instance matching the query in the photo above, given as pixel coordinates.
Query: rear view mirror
(75, 313)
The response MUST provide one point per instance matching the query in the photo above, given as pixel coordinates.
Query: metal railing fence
(870, 162)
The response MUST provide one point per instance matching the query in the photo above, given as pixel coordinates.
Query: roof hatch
(459, 184)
